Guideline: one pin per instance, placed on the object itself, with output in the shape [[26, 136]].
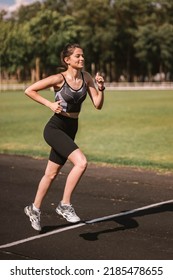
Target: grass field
[[133, 128]]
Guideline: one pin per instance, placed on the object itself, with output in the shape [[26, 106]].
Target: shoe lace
[[70, 210], [36, 216]]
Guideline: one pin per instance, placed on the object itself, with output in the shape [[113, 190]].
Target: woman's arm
[[32, 92], [96, 95]]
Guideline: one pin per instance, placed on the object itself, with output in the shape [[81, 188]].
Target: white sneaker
[[34, 217], [68, 212]]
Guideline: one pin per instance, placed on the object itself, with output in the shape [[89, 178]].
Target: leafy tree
[[97, 32], [153, 41], [39, 29], [25, 13], [12, 48], [129, 37], [66, 31]]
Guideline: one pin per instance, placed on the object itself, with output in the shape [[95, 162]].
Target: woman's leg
[[80, 163], [32, 211], [51, 172]]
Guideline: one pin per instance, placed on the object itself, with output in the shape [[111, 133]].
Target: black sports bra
[[71, 99]]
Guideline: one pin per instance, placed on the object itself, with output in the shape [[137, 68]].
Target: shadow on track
[[127, 221]]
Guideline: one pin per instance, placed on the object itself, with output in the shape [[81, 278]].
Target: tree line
[[128, 40]]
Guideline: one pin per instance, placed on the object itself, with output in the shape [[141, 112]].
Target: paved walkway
[[126, 214]]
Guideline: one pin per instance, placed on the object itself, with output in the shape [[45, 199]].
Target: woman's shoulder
[[56, 79], [87, 75], [88, 78]]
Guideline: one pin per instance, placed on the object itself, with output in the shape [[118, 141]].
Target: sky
[[12, 5]]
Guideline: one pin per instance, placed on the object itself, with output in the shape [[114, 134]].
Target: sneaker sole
[[61, 214], [27, 214]]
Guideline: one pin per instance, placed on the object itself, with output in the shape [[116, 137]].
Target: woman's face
[[76, 59]]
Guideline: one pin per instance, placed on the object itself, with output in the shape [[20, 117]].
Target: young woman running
[[70, 87]]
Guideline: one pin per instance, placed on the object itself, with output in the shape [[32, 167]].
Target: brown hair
[[67, 51]]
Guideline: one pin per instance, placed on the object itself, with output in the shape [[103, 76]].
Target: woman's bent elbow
[[26, 91], [98, 107]]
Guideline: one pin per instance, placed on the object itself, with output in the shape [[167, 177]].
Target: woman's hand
[[56, 107], [99, 81]]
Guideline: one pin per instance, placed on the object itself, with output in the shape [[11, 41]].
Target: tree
[[65, 31], [39, 29], [12, 49], [97, 33], [129, 37], [154, 39]]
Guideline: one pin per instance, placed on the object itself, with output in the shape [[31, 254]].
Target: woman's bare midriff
[[73, 115]]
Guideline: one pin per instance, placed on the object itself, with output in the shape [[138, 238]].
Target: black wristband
[[102, 89]]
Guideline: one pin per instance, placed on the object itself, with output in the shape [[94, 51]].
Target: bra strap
[[63, 77]]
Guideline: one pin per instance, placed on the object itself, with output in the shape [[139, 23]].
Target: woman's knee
[[78, 159], [52, 170], [82, 162], [51, 175]]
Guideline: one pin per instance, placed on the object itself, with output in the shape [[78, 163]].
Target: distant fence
[[140, 86], [109, 86], [4, 87]]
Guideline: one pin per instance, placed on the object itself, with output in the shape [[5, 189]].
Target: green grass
[[132, 129]]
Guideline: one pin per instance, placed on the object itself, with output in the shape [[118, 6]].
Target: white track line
[[41, 235], [128, 212], [85, 223]]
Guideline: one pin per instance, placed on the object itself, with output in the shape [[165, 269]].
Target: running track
[[126, 214]]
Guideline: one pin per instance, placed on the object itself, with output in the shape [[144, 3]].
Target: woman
[[71, 87]]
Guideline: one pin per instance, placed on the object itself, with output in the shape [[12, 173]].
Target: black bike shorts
[[60, 133]]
